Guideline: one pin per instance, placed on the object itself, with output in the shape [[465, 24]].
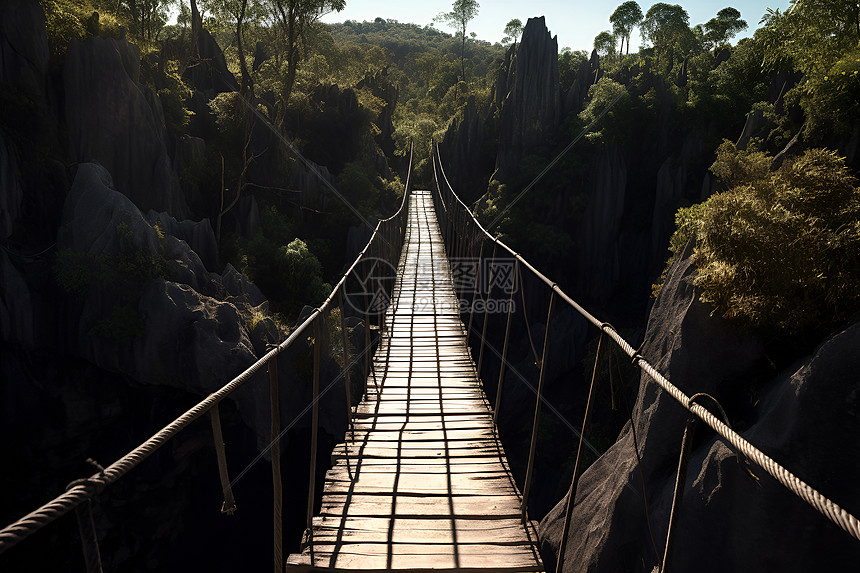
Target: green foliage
[[780, 251], [604, 43], [607, 94], [818, 38], [173, 93], [73, 19], [121, 277], [666, 25], [720, 29], [734, 167], [512, 31], [832, 104]]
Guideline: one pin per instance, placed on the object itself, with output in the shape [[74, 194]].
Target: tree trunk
[[196, 25], [247, 86]]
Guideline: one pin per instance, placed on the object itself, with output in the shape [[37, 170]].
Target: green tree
[[820, 39], [723, 27], [665, 25], [238, 13], [778, 250], [623, 21], [294, 19], [462, 12], [604, 43], [512, 31]]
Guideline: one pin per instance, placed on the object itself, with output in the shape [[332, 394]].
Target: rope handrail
[[88, 488], [810, 495]]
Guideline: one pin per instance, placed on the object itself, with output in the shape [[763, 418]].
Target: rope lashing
[[504, 359]]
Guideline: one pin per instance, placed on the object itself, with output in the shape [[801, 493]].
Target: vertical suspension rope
[[229, 505], [571, 494], [533, 445], [680, 481], [367, 328], [505, 345], [490, 280], [89, 539], [475, 292], [315, 417], [277, 486], [346, 383]]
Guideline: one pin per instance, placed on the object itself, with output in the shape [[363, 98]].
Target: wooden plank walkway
[[423, 483]]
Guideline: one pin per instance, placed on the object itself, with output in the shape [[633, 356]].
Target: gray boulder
[[119, 123]]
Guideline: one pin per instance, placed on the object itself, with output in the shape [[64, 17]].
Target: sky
[[574, 22]]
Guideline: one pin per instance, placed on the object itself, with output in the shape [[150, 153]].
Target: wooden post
[[229, 505], [277, 486], [314, 430]]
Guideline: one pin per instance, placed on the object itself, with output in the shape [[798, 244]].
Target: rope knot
[[93, 484]]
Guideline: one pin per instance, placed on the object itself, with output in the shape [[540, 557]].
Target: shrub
[[780, 251]]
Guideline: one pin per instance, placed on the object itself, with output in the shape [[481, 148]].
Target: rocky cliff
[[733, 516], [531, 108], [118, 122]]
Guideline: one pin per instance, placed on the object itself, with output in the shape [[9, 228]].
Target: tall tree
[[238, 12], [294, 17], [723, 27], [462, 12], [604, 43], [665, 25], [512, 31], [624, 19]]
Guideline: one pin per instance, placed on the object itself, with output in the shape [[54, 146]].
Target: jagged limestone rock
[[463, 154], [531, 109], [734, 516], [119, 123]]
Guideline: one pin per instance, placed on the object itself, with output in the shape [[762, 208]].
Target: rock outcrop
[[196, 325], [464, 155], [11, 194], [734, 516], [118, 122], [381, 86], [531, 110], [599, 258], [24, 48]]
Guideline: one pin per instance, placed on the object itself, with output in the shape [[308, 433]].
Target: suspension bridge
[[421, 481]]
